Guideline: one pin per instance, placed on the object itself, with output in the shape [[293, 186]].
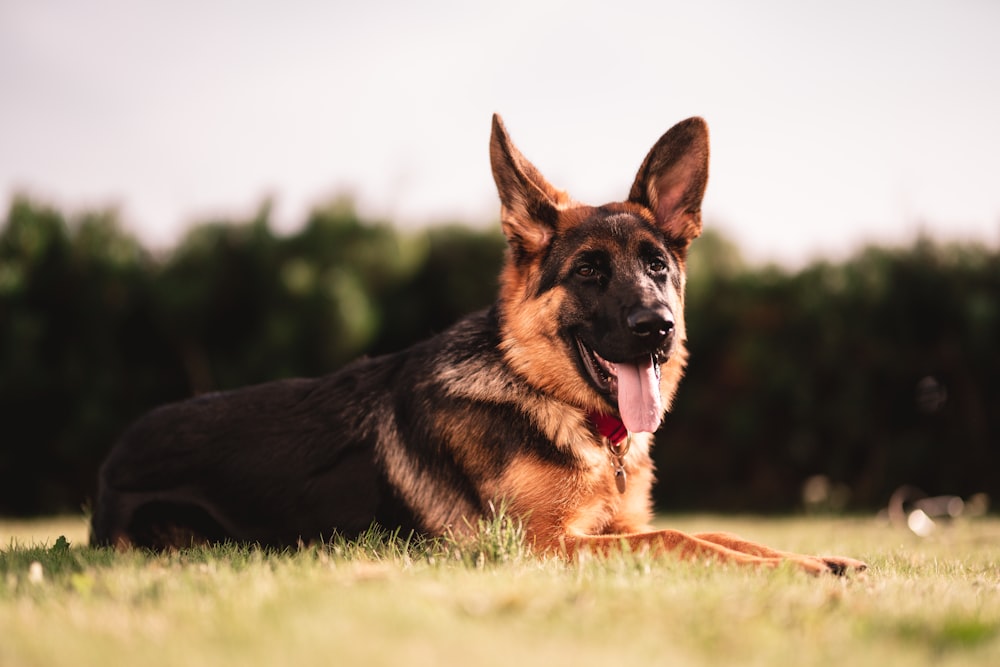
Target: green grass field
[[933, 601]]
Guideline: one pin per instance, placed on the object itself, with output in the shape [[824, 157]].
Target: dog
[[547, 401]]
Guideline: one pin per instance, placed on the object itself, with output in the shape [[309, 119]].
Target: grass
[[385, 601]]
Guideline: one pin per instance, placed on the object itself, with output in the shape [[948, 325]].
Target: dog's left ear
[[529, 205], [672, 179]]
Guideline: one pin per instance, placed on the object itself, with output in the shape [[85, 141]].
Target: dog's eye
[[586, 270], [657, 266]]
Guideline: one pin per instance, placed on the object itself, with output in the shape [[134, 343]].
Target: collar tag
[[618, 440]]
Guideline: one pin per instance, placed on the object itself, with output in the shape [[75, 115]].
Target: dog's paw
[[820, 565], [840, 566]]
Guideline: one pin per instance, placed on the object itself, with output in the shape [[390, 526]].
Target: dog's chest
[[554, 500]]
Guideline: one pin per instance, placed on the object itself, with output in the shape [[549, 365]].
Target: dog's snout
[[650, 323]]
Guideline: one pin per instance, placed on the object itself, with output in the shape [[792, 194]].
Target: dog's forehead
[[613, 229], [618, 232]]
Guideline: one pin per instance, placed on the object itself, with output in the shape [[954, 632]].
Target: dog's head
[[592, 297]]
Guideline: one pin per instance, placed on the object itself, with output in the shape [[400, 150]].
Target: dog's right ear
[[529, 205]]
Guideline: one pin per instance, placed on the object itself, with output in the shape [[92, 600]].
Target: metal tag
[[620, 478]]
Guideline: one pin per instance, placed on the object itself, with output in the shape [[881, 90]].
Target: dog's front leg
[[694, 547], [836, 564]]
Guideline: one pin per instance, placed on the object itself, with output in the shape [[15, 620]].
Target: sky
[[832, 125]]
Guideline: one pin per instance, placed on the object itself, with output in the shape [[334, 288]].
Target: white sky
[[832, 123]]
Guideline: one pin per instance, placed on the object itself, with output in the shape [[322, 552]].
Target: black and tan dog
[[546, 402]]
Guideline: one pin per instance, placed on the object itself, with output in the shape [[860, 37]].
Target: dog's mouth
[[634, 386]]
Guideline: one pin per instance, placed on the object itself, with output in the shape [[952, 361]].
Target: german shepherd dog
[[547, 401]]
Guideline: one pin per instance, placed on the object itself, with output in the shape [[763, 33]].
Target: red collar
[[608, 426]]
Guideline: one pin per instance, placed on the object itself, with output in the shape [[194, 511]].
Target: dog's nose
[[651, 323]]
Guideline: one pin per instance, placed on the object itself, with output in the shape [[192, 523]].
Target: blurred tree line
[[874, 372]]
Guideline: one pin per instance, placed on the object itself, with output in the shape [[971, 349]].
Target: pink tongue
[[639, 396]]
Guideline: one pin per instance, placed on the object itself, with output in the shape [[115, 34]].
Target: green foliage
[[876, 371], [75, 340]]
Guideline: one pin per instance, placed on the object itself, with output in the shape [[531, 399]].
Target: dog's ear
[[529, 205], [672, 179]]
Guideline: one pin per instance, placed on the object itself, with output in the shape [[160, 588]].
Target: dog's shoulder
[[470, 364]]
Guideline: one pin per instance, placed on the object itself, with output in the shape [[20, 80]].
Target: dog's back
[[259, 464], [301, 459]]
